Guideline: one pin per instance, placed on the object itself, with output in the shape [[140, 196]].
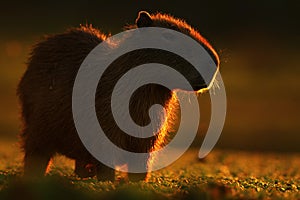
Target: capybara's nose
[[199, 86]]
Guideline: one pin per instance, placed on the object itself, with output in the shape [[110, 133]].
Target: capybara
[[45, 93]]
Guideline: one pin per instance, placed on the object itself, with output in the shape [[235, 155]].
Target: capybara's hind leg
[[35, 163], [105, 173], [37, 156], [84, 169]]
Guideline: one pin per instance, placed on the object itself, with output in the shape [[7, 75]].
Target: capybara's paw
[[135, 177], [105, 173]]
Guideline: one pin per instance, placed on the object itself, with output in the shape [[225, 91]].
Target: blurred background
[[258, 42]]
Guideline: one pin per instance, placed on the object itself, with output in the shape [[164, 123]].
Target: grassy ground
[[222, 175]]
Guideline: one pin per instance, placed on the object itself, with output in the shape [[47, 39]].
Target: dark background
[[258, 42]]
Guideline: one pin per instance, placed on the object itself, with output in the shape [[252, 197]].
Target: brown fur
[[45, 93]]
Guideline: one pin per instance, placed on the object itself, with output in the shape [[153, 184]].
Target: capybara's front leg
[[140, 163], [134, 177], [105, 173]]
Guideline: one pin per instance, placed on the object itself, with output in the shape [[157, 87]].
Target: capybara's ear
[[144, 19]]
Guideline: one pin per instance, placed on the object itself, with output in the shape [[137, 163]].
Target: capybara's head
[[144, 19]]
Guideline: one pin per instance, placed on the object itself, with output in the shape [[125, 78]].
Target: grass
[[222, 175]]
